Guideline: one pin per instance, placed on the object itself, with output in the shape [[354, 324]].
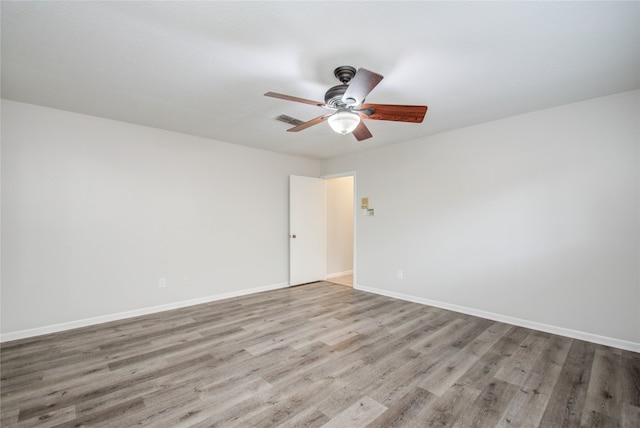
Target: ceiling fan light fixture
[[344, 122], [347, 104]]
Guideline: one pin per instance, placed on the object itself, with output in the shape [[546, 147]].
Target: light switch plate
[[364, 203]]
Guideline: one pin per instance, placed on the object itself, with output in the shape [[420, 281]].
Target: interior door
[[307, 235]]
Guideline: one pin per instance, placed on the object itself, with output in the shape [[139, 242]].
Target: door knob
[[292, 236]]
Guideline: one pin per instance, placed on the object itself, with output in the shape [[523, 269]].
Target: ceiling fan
[[347, 102]]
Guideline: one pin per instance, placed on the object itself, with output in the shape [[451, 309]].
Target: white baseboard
[[603, 340], [22, 334], [337, 274], [561, 331]]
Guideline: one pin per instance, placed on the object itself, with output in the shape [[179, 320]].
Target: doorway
[[340, 228], [322, 229]]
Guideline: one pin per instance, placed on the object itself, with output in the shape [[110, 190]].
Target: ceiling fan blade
[[396, 113], [296, 99], [310, 123], [362, 83], [362, 132]]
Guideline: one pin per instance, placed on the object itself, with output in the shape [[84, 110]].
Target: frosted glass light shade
[[344, 122]]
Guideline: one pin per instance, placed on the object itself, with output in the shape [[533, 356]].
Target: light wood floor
[[342, 280], [315, 355]]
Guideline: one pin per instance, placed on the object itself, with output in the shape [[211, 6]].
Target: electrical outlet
[[400, 274], [185, 281], [162, 282]]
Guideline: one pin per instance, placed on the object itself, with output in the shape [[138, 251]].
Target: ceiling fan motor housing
[[333, 97]]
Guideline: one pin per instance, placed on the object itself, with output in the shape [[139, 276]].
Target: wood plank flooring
[[342, 280], [310, 356]]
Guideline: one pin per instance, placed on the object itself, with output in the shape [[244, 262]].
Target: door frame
[[356, 210]]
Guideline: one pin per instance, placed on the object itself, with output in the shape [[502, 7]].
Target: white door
[[307, 236]]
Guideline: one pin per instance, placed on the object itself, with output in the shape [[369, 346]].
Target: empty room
[[320, 214]]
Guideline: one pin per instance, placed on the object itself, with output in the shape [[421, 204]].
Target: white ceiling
[[202, 68]]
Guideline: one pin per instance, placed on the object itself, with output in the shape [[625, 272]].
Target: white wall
[[339, 217], [534, 217], [94, 211]]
